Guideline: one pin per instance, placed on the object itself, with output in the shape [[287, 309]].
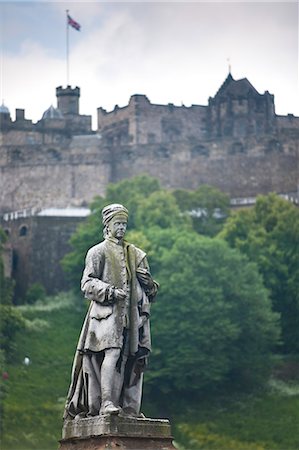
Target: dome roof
[[4, 109], [52, 113]]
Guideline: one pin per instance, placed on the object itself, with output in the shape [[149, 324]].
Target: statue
[[115, 339]]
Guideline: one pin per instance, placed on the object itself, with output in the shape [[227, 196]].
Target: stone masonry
[[236, 143]]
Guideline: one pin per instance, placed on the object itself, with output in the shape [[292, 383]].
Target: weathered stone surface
[[119, 443], [236, 143], [115, 425], [112, 432]]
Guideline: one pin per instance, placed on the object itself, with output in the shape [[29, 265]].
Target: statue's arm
[[146, 280], [91, 284]]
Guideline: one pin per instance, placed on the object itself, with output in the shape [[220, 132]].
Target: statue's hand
[[144, 277], [119, 294]]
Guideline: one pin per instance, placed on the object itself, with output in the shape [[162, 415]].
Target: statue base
[[115, 432]]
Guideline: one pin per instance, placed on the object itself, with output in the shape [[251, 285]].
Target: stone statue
[[115, 339]]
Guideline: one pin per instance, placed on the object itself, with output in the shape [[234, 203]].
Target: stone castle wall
[[73, 171], [236, 143], [53, 173], [39, 244], [142, 122], [240, 168]]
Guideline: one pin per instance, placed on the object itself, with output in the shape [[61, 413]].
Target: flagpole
[[1, 53], [67, 49]]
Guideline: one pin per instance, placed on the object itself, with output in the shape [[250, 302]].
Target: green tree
[[212, 320], [11, 320], [35, 292], [208, 207], [131, 193], [268, 234], [161, 210], [6, 284]]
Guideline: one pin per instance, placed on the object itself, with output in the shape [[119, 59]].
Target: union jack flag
[[73, 23]]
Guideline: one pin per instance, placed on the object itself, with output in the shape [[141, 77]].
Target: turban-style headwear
[[113, 210]]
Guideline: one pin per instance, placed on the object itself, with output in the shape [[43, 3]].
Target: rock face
[[236, 143], [111, 432]]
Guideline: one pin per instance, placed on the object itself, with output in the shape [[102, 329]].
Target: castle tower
[[5, 119], [68, 100], [238, 110]]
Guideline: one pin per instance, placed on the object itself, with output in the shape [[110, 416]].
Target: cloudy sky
[[173, 52]]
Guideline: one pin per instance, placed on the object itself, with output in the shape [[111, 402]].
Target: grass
[[35, 395], [267, 420]]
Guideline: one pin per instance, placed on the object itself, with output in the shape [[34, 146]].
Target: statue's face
[[118, 226]]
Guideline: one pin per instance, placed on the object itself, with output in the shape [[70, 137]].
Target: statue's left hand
[[119, 294], [144, 277]]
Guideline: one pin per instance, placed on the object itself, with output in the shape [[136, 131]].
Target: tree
[[208, 207], [131, 193], [6, 284], [269, 235], [161, 210], [11, 320], [212, 320]]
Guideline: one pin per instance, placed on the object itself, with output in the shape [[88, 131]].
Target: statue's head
[[115, 219]]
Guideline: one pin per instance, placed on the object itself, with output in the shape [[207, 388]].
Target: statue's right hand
[[119, 294]]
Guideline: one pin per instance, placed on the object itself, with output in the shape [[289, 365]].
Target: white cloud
[[170, 52]]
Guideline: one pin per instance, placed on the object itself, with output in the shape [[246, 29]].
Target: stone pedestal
[[115, 432]]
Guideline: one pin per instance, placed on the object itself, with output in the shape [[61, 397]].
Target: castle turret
[[68, 100], [5, 119], [238, 110]]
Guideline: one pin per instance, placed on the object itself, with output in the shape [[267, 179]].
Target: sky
[[173, 52]]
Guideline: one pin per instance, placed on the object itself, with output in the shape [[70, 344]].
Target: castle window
[[15, 260], [54, 154], [162, 152], [16, 155], [23, 230], [199, 150], [237, 147], [151, 138], [273, 146]]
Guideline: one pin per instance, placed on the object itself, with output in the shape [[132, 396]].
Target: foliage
[[269, 235], [160, 209], [208, 207], [36, 291], [131, 193], [6, 284], [200, 437], [36, 393], [33, 407], [266, 420], [11, 323], [214, 315], [212, 320]]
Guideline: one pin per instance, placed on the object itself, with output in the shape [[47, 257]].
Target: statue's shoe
[[131, 413], [108, 408]]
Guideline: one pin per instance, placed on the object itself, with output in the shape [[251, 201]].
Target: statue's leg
[[119, 381], [92, 382], [108, 371], [133, 393]]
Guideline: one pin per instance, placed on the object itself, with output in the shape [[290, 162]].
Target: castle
[[237, 143]]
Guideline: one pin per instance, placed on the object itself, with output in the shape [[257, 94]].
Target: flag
[[73, 23]]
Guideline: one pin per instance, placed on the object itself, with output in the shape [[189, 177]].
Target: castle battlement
[[236, 142]]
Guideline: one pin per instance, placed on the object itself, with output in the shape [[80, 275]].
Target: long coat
[[111, 265]]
